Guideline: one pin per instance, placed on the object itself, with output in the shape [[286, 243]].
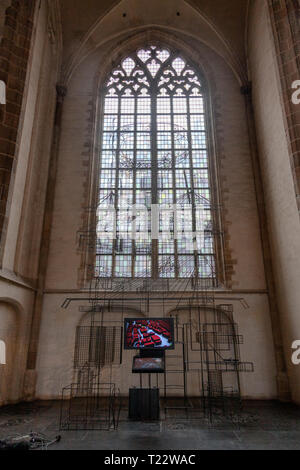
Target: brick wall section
[[285, 18], [14, 56], [4, 4]]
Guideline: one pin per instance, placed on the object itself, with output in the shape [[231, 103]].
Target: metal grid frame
[[98, 346], [94, 407], [209, 345]]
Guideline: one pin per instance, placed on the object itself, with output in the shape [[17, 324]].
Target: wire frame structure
[[97, 346], [91, 405], [207, 347], [155, 152]]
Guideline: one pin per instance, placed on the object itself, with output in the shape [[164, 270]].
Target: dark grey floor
[[263, 425]]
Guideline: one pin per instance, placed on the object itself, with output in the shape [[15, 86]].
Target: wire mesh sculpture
[[154, 151], [91, 403]]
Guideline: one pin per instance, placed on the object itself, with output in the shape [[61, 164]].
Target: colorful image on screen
[[153, 333]]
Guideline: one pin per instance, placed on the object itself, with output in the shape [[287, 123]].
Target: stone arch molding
[[184, 310], [111, 27], [117, 52], [112, 57]]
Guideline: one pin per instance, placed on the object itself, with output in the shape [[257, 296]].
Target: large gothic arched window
[[154, 214]]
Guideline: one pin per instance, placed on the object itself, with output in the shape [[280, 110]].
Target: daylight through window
[[154, 215]]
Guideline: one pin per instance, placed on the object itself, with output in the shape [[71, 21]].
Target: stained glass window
[[154, 166]]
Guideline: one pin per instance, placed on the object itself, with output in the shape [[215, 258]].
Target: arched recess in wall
[[211, 342], [10, 336], [203, 69], [207, 313]]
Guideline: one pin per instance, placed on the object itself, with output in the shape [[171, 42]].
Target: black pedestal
[[143, 404]]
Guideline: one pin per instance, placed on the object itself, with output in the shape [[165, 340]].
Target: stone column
[[30, 376], [283, 389], [14, 56]]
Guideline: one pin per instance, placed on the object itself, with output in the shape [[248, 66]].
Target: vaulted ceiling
[[78, 17], [228, 18]]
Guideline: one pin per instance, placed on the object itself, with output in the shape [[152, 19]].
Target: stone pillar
[[14, 56], [285, 19], [30, 376], [283, 389]]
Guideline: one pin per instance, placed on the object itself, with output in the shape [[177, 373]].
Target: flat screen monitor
[[148, 365], [149, 333]]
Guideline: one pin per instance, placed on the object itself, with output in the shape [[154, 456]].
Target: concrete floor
[[264, 425]]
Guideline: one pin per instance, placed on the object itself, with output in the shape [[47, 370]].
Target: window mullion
[[154, 173], [192, 191], [133, 228], [174, 186], [117, 186]]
